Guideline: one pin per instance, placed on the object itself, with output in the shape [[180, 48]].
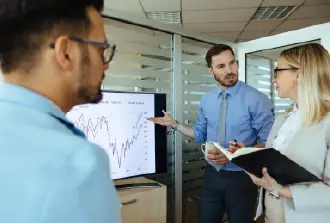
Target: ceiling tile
[[228, 15], [242, 40], [317, 2], [119, 27], [262, 25], [160, 5], [311, 12], [216, 4], [290, 25], [267, 3], [253, 34], [120, 5], [175, 25], [227, 36], [215, 27]]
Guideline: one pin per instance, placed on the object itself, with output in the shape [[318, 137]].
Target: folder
[[280, 167]]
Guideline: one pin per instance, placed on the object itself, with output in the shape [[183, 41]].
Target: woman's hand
[[268, 183]]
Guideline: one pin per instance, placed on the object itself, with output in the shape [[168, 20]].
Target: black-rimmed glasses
[[277, 70], [108, 49]]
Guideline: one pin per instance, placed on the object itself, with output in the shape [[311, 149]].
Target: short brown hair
[[216, 50]]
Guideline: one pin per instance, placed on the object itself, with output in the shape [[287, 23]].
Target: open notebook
[[279, 166]]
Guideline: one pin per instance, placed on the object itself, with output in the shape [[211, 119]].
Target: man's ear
[[63, 52], [210, 70]]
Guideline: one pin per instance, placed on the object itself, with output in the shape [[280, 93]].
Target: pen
[[235, 142]]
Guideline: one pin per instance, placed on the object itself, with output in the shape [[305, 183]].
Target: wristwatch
[[275, 192], [175, 125]]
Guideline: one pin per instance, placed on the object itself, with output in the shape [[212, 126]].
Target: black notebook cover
[[280, 167]]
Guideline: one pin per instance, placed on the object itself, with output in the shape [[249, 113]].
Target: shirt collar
[[20, 95], [232, 91]]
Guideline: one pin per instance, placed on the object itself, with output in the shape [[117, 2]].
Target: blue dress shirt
[[250, 117], [49, 172]]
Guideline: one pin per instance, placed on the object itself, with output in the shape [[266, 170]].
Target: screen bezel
[[160, 133]]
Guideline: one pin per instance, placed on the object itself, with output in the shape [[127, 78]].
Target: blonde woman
[[303, 135]]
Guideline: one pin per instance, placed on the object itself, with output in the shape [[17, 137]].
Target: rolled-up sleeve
[[262, 117], [200, 128]]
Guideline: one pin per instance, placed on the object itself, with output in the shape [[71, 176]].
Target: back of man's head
[[26, 25]]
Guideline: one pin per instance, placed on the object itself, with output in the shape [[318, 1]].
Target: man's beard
[[90, 95], [223, 81], [85, 93]]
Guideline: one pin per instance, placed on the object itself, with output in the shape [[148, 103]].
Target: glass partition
[[196, 82], [259, 73], [143, 63]]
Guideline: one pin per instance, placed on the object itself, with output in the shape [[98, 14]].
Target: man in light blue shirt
[[248, 118], [53, 55]]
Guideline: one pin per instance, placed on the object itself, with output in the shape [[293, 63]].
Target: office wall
[[321, 32]]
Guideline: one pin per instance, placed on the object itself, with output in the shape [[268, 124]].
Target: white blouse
[[287, 130], [274, 212]]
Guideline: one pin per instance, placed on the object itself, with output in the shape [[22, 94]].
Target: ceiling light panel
[[273, 12], [165, 17]]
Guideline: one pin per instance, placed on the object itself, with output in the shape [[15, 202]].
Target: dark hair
[[26, 25], [216, 50]]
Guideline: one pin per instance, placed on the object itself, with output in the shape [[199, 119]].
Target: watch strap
[[175, 127], [275, 193]]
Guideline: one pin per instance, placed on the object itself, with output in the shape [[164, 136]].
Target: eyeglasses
[[108, 49], [277, 70]]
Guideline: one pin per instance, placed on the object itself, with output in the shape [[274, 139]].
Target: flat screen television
[[135, 146]]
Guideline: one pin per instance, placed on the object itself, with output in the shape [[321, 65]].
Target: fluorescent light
[[263, 68], [165, 17], [264, 83], [282, 104], [264, 90], [273, 12], [188, 62]]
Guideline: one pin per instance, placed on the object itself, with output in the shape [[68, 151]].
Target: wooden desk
[[142, 205]]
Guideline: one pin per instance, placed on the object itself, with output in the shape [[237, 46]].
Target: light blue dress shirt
[[250, 117], [49, 172]]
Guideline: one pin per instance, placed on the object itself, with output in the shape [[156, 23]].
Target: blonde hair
[[313, 62]]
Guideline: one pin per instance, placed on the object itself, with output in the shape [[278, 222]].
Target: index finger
[[232, 149], [155, 120], [213, 151]]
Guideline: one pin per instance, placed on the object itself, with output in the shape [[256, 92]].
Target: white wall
[[302, 35]]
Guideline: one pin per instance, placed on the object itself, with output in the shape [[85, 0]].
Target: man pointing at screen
[[233, 110]]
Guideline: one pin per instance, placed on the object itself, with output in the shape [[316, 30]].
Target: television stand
[[142, 200], [137, 185]]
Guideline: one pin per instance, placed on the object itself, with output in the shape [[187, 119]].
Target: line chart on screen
[[120, 127]]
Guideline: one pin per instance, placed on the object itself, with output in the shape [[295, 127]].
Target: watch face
[[272, 195]]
